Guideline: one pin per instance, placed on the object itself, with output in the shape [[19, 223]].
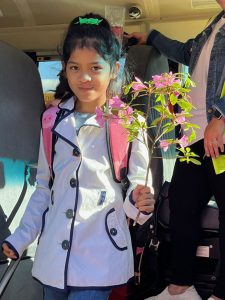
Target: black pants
[[191, 188]]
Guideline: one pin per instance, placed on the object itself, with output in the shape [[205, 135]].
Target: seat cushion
[[209, 217]]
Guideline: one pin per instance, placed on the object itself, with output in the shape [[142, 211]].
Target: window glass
[[49, 71]]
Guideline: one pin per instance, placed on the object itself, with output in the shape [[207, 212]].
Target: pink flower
[[99, 116], [183, 141], [180, 118], [126, 114], [165, 80], [158, 81], [164, 145], [118, 112], [138, 85], [116, 102]]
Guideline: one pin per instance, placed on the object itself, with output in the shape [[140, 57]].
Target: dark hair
[[98, 37]]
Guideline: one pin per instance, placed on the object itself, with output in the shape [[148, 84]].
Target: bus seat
[[21, 105], [146, 61], [209, 216]]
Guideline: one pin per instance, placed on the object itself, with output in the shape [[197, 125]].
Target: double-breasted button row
[[113, 231], [69, 213], [73, 182], [76, 152], [65, 245]]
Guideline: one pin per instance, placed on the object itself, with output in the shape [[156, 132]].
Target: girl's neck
[[86, 107]]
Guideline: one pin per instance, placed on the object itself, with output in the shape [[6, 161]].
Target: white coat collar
[[68, 105], [65, 128]]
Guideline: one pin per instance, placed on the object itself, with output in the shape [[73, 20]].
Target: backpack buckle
[[154, 244], [125, 184], [124, 179]]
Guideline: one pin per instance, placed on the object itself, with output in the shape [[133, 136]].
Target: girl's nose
[[85, 77]]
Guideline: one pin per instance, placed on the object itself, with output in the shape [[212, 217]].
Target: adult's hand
[[141, 37], [213, 137]]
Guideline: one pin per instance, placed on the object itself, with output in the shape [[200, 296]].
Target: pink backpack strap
[[117, 142], [118, 148], [48, 121]]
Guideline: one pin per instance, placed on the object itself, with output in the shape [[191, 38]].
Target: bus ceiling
[[39, 25]]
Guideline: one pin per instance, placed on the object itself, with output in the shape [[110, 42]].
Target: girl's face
[[88, 76]]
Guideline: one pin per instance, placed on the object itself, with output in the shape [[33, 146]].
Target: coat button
[[76, 152], [69, 213], [73, 182], [113, 231], [65, 245], [210, 110]]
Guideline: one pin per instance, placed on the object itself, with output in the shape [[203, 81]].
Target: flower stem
[[150, 154]]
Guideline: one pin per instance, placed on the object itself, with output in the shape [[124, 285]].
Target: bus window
[[49, 71]]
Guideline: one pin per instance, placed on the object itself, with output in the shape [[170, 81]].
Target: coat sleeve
[[31, 222], [172, 49], [220, 105], [138, 164]]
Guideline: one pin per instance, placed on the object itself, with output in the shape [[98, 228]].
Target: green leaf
[[158, 108], [173, 99], [195, 161], [156, 121], [194, 125], [183, 159], [192, 136], [127, 88]]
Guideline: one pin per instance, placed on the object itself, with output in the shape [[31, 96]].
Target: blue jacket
[[187, 53]]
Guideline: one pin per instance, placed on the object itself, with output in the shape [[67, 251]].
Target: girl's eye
[[74, 68], [96, 68]]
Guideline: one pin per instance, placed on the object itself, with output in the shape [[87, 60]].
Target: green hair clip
[[91, 21]]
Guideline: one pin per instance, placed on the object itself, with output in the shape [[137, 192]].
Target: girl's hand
[[8, 252], [213, 137], [143, 198]]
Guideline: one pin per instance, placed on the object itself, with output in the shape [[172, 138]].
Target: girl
[[84, 247]]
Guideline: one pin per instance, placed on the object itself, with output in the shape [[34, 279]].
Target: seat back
[[209, 216], [21, 105], [146, 61]]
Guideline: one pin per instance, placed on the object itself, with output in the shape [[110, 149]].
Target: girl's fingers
[[145, 190], [145, 202], [146, 208], [8, 252], [146, 205], [145, 197]]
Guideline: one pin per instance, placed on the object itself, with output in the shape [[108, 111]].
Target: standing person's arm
[[213, 137], [172, 49], [215, 130]]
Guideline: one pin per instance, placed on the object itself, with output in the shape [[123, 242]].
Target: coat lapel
[[65, 128]]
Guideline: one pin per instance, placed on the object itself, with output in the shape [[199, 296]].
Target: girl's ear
[[116, 70]]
